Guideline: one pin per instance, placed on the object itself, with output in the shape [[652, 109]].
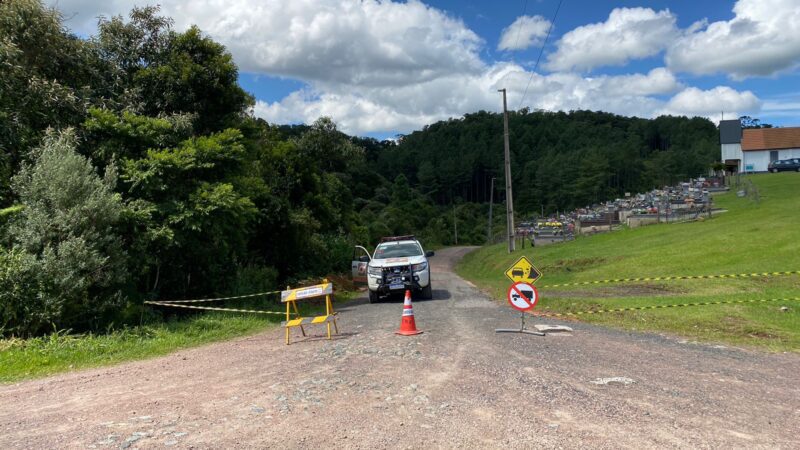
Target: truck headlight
[[375, 271], [419, 267]]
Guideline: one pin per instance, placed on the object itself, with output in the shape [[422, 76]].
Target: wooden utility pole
[[491, 200], [455, 223], [509, 196]]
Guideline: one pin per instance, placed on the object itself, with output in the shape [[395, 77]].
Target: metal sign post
[[521, 328], [522, 297]]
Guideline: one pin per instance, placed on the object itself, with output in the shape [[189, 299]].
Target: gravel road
[[456, 385]]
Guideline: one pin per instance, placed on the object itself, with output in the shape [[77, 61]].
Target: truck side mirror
[[429, 254], [363, 258]]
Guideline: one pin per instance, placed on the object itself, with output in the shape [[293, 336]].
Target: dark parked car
[[784, 164]]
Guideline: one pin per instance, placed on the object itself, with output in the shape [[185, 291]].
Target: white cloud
[[361, 43], [762, 39], [410, 107], [783, 108], [711, 103], [394, 67], [367, 42], [402, 108], [525, 32], [629, 33]]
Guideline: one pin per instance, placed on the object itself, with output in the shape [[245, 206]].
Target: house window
[[773, 155]]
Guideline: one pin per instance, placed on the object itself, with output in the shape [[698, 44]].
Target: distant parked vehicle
[[783, 165]]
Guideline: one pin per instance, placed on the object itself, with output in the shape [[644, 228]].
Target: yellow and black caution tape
[[211, 308], [640, 308], [673, 278], [219, 299]]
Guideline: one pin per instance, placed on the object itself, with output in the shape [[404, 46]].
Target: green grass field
[[750, 237], [59, 352]]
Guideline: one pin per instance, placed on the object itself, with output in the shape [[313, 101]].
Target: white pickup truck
[[399, 263]]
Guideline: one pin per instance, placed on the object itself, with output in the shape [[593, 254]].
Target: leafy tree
[[67, 251], [752, 122], [156, 71], [189, 212], [46, 76]]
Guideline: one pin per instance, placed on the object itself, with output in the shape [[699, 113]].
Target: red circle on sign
[[522, 296]]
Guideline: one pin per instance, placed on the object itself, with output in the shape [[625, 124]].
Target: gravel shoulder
[[456, 385]]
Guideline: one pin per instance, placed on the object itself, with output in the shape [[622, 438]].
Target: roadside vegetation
[[63, 350], [750, 237]]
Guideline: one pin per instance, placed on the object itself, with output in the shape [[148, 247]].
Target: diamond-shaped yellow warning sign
[[523, 270]]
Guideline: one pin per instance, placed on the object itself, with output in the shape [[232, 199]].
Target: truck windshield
[[397, 250]]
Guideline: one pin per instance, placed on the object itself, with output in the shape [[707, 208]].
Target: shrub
[[67, 255], [22, 307]]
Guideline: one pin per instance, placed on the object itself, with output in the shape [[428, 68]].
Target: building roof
[[754, 139]]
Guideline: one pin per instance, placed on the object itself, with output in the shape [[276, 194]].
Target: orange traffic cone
[[408, 327]]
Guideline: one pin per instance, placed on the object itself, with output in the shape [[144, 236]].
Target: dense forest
[[132, 168]]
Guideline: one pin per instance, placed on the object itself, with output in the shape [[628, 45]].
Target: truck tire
[[373, 297], [427, 292]]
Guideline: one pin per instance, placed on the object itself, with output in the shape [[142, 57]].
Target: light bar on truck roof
[[410, 237]]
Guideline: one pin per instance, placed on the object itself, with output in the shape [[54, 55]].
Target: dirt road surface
[[456, 385]]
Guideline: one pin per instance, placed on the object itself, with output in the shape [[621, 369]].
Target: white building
[[752, 149]]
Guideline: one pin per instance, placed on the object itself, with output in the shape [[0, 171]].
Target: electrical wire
[[541, 51], [519, 28]]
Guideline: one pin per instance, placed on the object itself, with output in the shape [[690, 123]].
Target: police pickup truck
[[399, 263]]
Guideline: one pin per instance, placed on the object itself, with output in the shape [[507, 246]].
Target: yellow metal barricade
[[292, 296]]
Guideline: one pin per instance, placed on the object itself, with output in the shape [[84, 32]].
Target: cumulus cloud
[[525, 32], [364, 43], [361, 42], [377, 66], [762, 39], [409, 107], [710, 103], [629, 33], [402, 108]]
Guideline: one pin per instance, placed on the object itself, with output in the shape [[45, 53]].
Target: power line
[[519, 28], [541, 51]]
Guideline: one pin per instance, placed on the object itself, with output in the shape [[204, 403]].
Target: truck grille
[[397, 274]]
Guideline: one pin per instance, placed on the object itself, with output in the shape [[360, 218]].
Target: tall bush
[[67, 258]]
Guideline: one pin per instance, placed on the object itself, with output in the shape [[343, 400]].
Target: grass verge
[[22, 359], [750, 237]]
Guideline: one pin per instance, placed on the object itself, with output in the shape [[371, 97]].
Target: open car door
[[361, 259]]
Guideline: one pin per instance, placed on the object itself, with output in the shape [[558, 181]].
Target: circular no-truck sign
[[522, 296]]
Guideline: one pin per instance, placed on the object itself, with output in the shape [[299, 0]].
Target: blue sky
[[380, 68]]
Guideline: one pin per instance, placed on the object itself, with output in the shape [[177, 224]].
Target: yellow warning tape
[[210, 308], [219, 299], [680, 277], [639, 308]]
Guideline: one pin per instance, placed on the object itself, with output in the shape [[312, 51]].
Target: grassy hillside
[[750, 237]]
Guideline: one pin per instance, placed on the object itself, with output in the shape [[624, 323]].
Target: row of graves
[[686, 201]]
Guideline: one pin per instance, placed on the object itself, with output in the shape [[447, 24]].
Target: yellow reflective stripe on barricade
[[308, 320], [211, 308], [671, 278], [640, 308]]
